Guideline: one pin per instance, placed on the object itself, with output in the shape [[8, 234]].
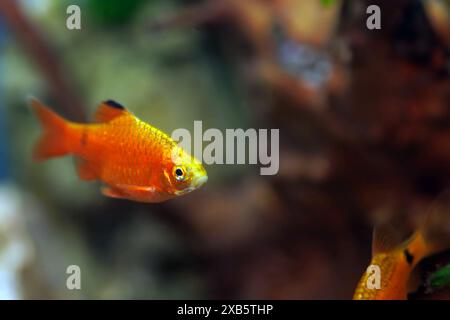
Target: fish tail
[[54, 141], [434, 235]]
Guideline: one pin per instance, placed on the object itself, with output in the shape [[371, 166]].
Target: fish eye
[[179, 173]]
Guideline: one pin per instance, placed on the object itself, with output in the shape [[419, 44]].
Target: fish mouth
[[197, 182], [200, 180], [184, 191]]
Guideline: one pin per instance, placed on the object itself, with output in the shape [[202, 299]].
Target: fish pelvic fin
[[86, 170], [53, 142]]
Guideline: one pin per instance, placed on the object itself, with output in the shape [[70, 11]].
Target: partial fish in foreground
[[135, 160], [398, 260]]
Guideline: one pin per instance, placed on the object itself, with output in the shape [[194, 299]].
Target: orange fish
[[396, 260], [135, 160]]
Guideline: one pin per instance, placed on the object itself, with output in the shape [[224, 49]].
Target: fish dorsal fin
[[436, 223], [109, 110], [385, 238]]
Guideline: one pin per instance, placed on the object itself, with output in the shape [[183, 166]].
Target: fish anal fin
[[109, 110], [114, 193], [385, 238], [136, 193], [86, 171]]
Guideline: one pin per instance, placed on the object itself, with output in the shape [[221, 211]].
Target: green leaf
[[327, 3], [440, 278]]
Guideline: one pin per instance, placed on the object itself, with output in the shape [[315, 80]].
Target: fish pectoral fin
[[86, 171], [131, 188]]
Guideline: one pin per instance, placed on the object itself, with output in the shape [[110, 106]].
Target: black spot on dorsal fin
[[109, 110], [114, 104], [408, 256]]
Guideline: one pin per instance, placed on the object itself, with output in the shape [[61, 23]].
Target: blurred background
[[364, 119]]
